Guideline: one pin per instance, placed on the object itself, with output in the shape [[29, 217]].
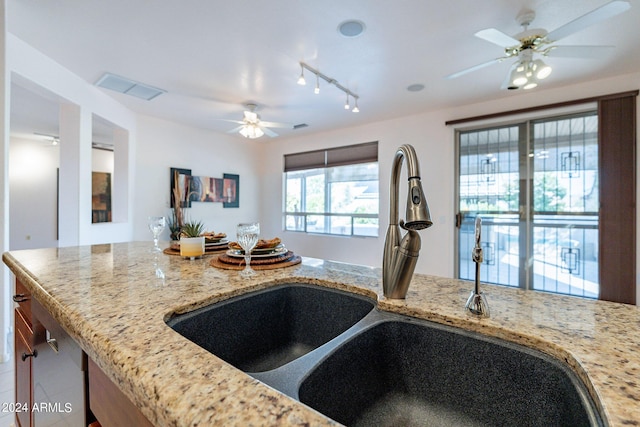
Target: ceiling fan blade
[[276, 125], [577, 51], [474, 68], [234, 130], [268, 132], [231, 121], [597, 15], [497, 37]]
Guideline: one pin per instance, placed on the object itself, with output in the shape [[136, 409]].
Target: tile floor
[[7, 419]]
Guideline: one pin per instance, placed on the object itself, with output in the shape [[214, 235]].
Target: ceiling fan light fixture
[[518, 78], [519, 81], [541, 70], [530, 85], [251, 131]]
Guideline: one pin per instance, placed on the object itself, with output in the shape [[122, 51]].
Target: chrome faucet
[[400, 257], [477, 303]]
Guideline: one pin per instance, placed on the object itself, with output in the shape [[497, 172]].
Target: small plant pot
[[192, 247]]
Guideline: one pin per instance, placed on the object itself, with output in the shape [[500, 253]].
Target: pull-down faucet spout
[[400, 256]]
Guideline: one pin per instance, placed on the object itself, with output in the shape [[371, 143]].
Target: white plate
[[260, 251], [222, 242], [278, 250]]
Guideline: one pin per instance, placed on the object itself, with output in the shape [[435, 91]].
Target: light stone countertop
[[110, 300]]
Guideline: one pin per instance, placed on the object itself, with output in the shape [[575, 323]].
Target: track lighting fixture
[[332, 81], [301, 80]]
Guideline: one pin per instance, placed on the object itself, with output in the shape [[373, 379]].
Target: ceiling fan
[[252, 127], [528, 70]]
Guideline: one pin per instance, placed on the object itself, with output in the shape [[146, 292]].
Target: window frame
[[310, 163], [617, 118]]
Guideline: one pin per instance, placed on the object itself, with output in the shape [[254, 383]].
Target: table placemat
[[169, 251], [215, 262]]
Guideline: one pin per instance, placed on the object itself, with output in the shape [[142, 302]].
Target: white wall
[[434, 144], [79, 103], [101, 160], [33, 194], [163, 145], [33, 191]]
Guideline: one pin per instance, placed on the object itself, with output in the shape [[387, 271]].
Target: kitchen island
[[114, 299]]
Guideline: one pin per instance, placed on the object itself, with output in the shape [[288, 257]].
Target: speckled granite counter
[[113, 301]]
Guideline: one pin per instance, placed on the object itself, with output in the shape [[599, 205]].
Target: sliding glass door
[[535, 186]]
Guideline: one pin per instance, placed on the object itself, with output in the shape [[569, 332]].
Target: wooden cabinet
[[48, 360], [24, 354], [50, 368], [111, 406]]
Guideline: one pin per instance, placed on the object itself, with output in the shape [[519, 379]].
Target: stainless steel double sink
[[337, 353]]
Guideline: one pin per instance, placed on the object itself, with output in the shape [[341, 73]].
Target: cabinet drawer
[[24, 354], [24, 329]]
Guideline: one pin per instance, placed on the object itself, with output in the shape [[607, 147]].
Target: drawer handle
[[53, 343], [20, 298], [25, 356]]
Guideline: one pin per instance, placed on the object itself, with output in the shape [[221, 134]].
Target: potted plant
[[191, 239]]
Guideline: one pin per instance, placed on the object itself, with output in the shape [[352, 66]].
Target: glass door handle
[[458, 220]]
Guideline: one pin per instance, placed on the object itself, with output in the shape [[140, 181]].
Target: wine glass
[[156, 226], [248, 234]]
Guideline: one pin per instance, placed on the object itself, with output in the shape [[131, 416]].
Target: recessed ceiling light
[[417, 87], [351, 28]]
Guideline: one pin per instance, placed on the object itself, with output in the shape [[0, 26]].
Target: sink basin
[[266, 329], [337, 353], [407, 372]]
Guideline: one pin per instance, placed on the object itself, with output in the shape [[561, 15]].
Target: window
[[333, 191], [536, 187]]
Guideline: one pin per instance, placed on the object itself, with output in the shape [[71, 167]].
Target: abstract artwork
[[100, 197], [190, 188]]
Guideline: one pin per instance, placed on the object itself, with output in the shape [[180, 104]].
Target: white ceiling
[[214, 56]]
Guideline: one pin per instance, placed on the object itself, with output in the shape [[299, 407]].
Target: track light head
[[301, 80]]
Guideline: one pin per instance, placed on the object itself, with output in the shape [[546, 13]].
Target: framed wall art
[[189, 188]]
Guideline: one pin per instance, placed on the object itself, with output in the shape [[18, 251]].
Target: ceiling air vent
[[300, 126], [129, 87]]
